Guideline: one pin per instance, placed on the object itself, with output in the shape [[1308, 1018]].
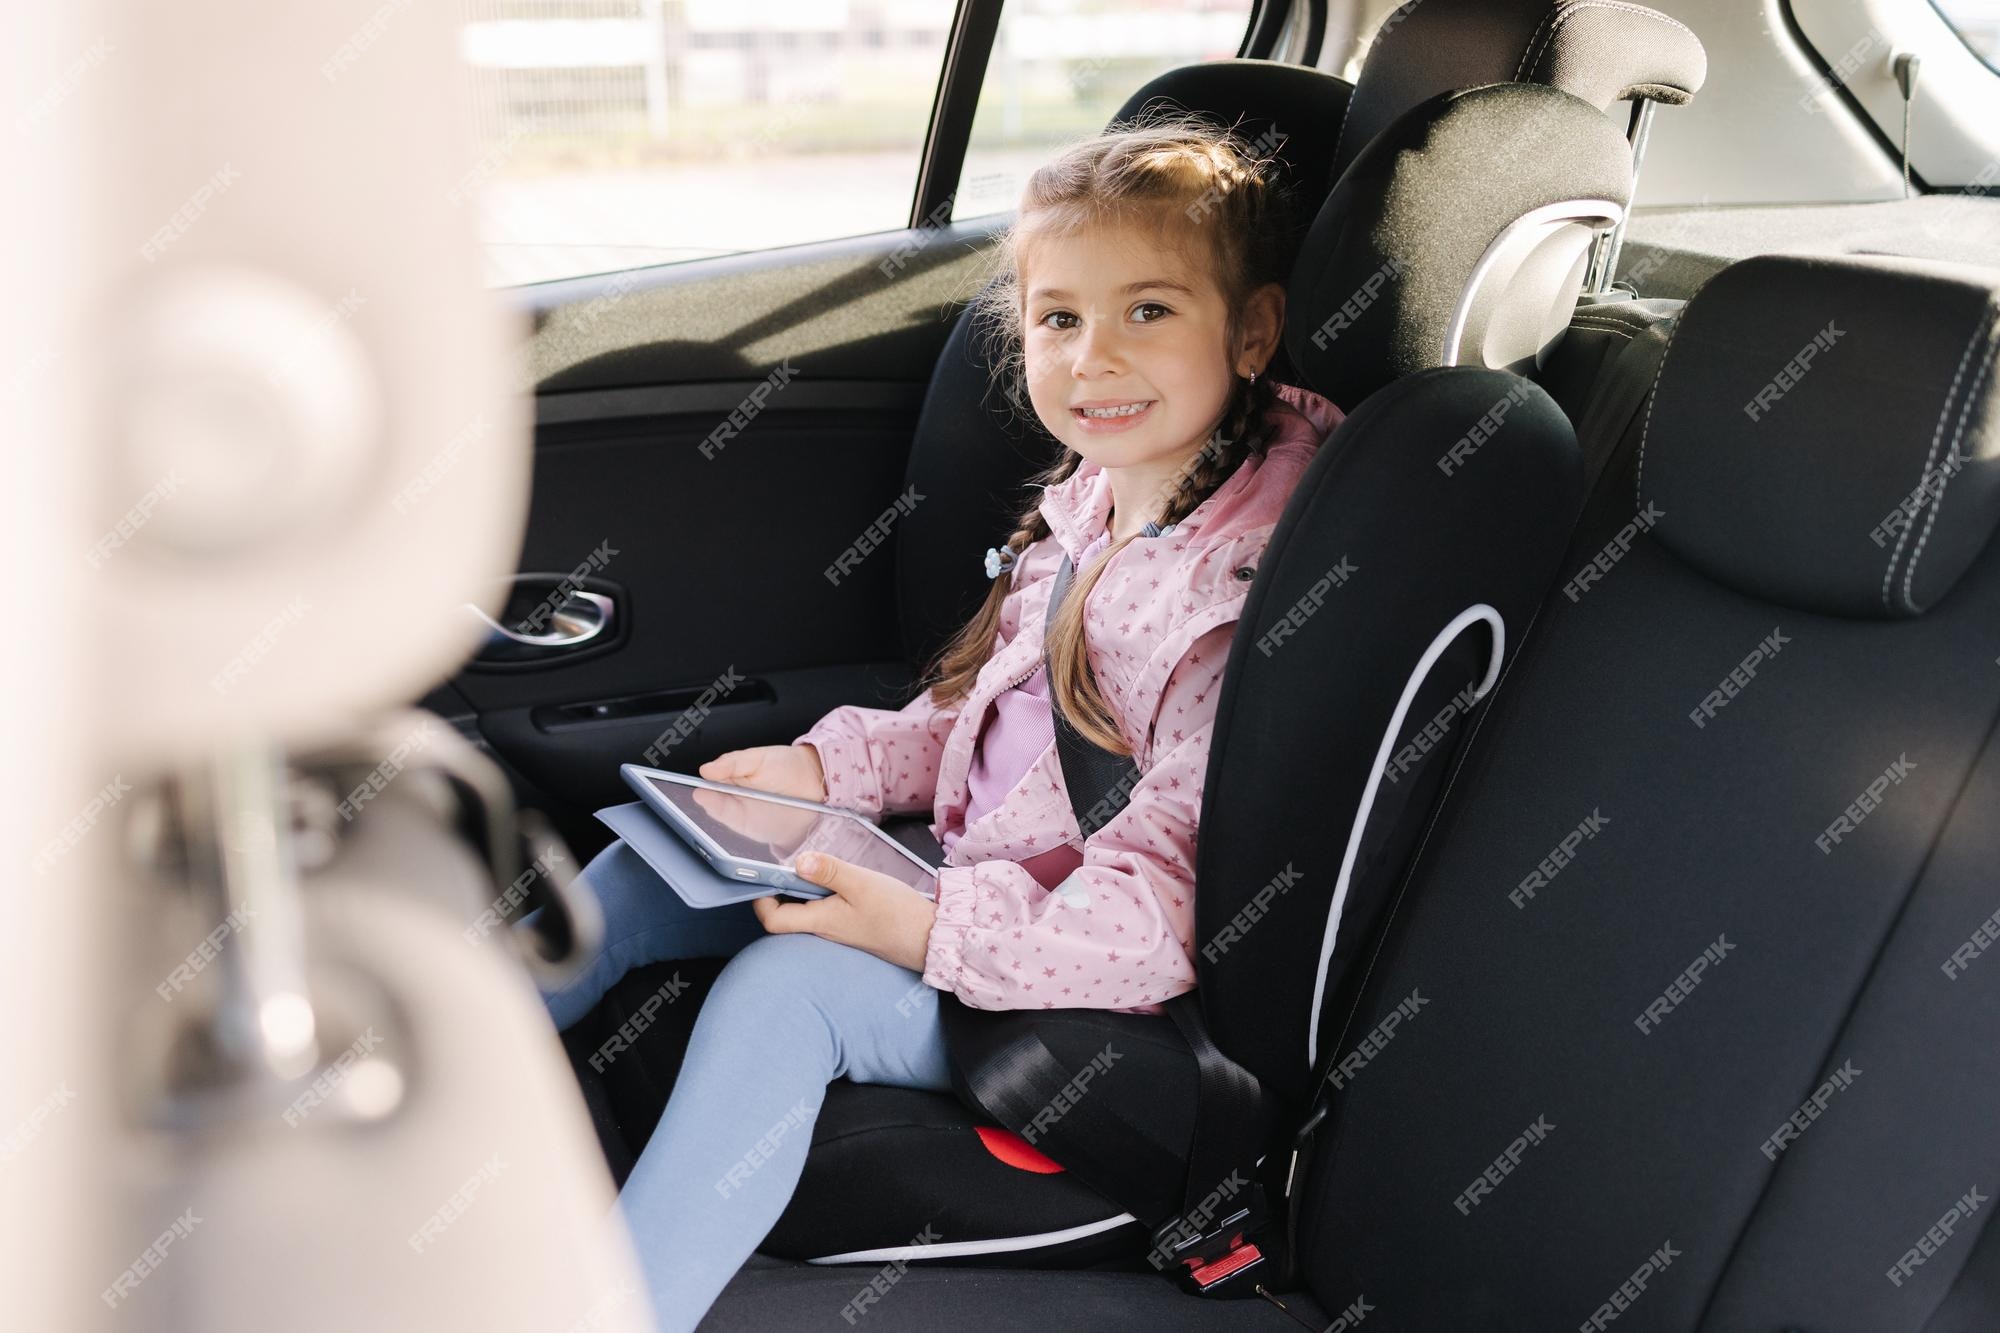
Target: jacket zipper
[[1037, 666], [1017, 680], [1002, 690]]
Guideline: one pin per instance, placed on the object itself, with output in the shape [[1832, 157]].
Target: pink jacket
[[1117, 933]]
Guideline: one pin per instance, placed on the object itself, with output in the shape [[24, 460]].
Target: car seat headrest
[[1825, 432], [1458, 238], [976, 448], [309, 444], [1288, 111], [1599, 50]]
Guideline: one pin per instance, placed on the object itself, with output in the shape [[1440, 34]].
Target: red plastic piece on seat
[[1235, 1261], [1015, 1151]]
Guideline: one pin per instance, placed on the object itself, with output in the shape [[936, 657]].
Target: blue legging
[[788, 1015]]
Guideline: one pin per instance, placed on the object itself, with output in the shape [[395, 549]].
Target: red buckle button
[[1238, 1259]]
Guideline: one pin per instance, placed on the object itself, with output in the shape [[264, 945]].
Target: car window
[[1977, 22], [619, 133], [1061, 68]]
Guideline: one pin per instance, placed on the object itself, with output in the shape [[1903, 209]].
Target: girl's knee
[[778, 965], [821, 972], [772, 989], [870, 1019], [806, 969]]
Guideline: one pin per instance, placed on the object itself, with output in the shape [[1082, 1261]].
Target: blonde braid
[[1234, 440]]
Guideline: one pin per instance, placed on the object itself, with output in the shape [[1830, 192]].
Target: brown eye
[[1151, 305], [1056, 314]]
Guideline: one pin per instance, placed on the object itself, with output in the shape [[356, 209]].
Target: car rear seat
[[1707, 1040]]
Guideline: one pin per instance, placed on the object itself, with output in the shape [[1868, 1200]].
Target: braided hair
[[1170, 168]]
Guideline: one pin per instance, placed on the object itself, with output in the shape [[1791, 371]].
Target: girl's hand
[[786, 770], [867, 909]]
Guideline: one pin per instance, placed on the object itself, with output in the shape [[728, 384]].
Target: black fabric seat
[[1581, 1127], [887, 1297], [1341, 679], [1687, 923]]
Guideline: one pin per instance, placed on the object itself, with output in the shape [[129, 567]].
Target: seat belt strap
[[1628, 378], [1206, 1243], [1099, 782], [1027, 1089], [1230, 1095]]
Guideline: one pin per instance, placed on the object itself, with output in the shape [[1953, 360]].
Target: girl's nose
[[1096, 350]]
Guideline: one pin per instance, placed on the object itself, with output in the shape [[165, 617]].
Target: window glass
[[618, 133], [1062, 68], [1978, 23]]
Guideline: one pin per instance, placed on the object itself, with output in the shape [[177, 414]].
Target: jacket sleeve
[[1118, 932], [882, 760]]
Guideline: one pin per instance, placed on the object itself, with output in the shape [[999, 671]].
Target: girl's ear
[[1263, 327]]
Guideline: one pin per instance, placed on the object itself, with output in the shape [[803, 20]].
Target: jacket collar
[[1078, 507]]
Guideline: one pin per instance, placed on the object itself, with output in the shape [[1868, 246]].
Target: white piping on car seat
[[1445, 638], [951, 1249]]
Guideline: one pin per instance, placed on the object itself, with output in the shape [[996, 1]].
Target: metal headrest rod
[[1604, 253]]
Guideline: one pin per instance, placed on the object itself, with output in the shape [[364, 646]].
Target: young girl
[[1140, 305]]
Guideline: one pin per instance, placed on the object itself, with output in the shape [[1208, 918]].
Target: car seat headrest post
[[1604, 254]]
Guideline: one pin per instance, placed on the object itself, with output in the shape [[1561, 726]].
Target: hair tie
[[999, 559]]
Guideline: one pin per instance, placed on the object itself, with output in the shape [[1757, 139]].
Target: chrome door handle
[[578, 619]]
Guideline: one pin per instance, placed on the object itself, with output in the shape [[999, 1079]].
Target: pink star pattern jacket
[[1117, 932]]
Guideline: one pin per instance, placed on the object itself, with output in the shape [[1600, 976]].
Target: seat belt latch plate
[[1207, 1277], [1209, 1262]]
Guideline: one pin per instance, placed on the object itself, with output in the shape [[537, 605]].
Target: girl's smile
[[1105, 416]]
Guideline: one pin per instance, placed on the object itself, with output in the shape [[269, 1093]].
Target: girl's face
[[1114, 322]]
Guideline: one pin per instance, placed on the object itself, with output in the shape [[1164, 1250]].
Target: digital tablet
[[756, 837]]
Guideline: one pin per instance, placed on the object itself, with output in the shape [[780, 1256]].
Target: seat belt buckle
[[1210, 1249]]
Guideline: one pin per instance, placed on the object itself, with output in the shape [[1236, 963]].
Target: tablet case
[[696, 882]]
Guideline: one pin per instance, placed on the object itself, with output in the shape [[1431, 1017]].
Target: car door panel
[[734, 490]]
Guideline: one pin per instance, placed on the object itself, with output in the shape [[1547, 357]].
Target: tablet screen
[[758, 830]]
